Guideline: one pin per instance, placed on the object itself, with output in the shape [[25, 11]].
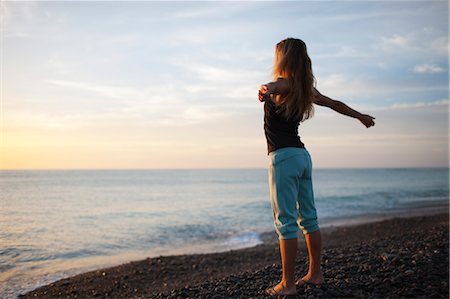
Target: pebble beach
[[405, 257]]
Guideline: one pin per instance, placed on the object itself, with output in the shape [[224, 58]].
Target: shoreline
[[161, 275], [419, 208]]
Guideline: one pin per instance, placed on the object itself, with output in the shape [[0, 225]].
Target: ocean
[[58, 223]]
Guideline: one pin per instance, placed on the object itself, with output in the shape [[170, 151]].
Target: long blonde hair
[[293, 63]]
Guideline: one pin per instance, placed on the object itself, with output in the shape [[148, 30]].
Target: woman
[[288, 100]]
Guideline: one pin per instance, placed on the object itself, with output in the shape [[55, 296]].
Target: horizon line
[[218, 168]]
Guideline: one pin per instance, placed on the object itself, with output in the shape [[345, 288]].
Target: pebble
[[374, 276]]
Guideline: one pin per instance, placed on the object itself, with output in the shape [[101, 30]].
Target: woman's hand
[[263, 93], [367, 120], [279, 87]]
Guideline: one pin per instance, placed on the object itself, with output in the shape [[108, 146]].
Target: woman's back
[[280, 132]]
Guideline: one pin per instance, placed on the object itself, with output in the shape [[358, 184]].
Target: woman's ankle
[[288, 284]]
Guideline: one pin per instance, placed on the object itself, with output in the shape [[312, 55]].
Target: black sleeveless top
[[280, 132]]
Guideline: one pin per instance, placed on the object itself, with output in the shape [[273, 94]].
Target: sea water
[[54, 224]]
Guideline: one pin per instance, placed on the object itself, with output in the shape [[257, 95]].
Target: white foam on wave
[[243, 240]]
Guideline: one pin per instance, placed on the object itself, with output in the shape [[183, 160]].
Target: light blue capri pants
[[291, 192]]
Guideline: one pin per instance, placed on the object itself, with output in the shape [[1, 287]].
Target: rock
[[387, 256]]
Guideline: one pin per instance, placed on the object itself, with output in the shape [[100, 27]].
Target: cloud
[[345, 52], [128, 40], [171, 104], [18, 12], [440, 45], [220, 75], [15, 17], [205, 10], [420, 42], [394, 41], [428, 68], [106, 91], [442, 102], [340, 85], [379, 137], [348, 17], [221, 83]]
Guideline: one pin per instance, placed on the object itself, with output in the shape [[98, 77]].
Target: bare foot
[[281, 290], [316, 280]]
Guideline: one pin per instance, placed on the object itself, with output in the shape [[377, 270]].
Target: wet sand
[[406, 256]]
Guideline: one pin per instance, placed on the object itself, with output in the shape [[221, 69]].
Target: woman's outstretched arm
[[342, 108]]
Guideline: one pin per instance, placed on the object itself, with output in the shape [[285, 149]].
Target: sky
[[120, 85]]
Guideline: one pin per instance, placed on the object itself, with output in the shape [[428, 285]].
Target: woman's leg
[[284, 184], [314, 243], [310, 226], [288, 251]]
